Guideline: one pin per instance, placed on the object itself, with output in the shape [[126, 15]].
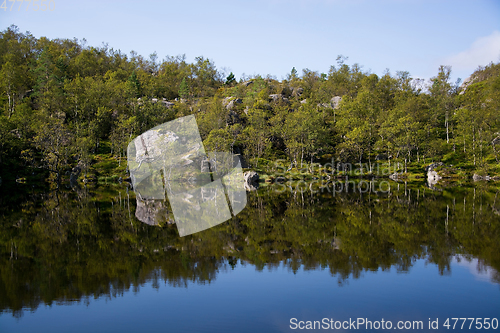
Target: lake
[[372, 256]]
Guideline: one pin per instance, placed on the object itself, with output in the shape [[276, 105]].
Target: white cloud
[[480, 271], [483, 51]]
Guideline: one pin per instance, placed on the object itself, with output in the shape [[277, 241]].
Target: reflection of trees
[[65, 247]]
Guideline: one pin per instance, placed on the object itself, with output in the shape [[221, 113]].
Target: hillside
[[65, 105]]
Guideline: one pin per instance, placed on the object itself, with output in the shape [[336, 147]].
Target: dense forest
[[62, 103]]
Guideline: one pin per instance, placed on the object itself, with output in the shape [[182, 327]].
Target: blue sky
[[271, 37]]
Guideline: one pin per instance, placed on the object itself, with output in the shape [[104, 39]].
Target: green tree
[[230, 80], [184, 89]]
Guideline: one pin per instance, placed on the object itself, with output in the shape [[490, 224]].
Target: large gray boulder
[[153, 142]]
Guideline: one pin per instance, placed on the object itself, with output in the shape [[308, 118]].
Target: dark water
[[81, 261]]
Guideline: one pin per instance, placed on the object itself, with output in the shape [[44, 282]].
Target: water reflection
[[68, 246]]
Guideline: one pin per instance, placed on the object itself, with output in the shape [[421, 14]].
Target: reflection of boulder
[[280, 179], [432, 176], [251, 180], [477, 177], [396, 176], [152, 212]]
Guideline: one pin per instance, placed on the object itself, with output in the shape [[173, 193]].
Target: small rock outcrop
[[232, 118], [467, 82], [167, 104], [433, 166], [278, 98], [297, 92], [74, 174], [335, 102], [230, 102]]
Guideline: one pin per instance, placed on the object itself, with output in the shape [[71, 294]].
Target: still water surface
[[80, 261]]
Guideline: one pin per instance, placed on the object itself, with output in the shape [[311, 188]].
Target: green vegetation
[[64, 104]]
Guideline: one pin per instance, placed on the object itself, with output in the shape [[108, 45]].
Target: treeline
[[60, 99]]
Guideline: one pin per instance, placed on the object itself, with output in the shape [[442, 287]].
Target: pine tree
[[230, 79], [184, 89]]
